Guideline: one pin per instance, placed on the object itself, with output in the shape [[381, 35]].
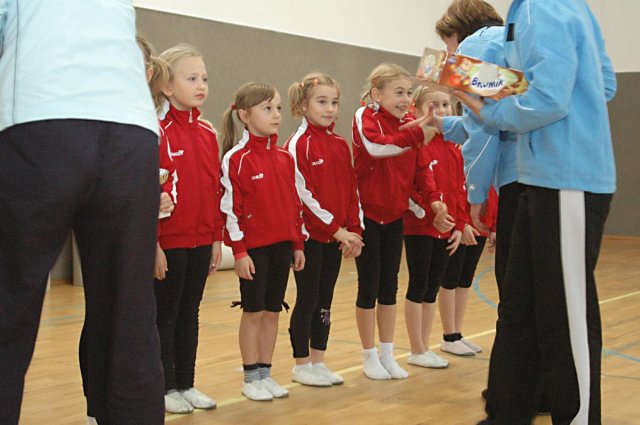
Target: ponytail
[[229, 137], [247, 96], [160, 69], [159, 81]]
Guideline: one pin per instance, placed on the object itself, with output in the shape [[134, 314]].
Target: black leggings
[[178, 299], [379, 263], [267, 289], [461, 266], [311, 317], [426, 260]]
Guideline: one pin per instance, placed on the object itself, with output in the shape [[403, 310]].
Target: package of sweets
[[446, 71]]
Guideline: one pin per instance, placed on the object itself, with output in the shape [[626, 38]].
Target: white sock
[[306, 366], [389, 362], [372, 367]]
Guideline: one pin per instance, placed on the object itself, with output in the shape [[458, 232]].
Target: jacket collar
[[388, 115], [318, 130], [183, 117], [258, 142]]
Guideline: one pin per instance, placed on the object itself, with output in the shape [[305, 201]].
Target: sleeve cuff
[[238, 248], [355, 229], [240, 255], [297, 245]]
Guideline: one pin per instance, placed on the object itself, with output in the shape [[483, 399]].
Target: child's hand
[[442, 221], [166, 204], [216, 257], [492, 242], [160, 269], [425, 122], [469, 235], [244, 268], [476, 211], [298, 260], [350, 252], [454, 242], [350, 243], [473, 103]]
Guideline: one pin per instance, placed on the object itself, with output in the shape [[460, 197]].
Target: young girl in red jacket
[[263, 227], [326, 183], [384, 158], [427, 244], [189, 240], [458, 276]]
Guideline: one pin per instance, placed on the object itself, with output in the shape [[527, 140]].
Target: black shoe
[[484, 422]]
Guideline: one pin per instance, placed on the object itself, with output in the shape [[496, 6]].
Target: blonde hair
[[464, 17], [173, 56], [300, 92], [381, 75], [247, 96], [160, 76], [422, 94]]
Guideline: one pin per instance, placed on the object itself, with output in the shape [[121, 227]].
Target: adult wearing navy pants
[[549, 318], [78, 150]]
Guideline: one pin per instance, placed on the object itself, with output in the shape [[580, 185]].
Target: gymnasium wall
[[347, 42]]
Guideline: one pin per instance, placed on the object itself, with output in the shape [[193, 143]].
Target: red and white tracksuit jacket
[[326, 181], [260, 200], [384, 160], [191, 146], [490, 214], [439, 173], [170, 186]]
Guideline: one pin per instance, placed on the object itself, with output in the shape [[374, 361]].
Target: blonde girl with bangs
[[326, 184], [189, 240], [263, 227], [385, 140]]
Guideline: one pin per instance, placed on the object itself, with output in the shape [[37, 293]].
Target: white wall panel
[[402, 26]]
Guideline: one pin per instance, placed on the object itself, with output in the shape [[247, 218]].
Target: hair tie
[[233, 107]]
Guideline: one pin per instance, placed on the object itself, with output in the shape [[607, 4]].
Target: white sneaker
[[456, 347], [428, 359], [91, 420], [309, 376], [325, 372], [255, 391], [474, 347], [392, 366], [198, 400], [276, 390], [373, 369], [175, 403]]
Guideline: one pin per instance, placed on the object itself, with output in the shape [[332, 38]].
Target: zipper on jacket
[[268, 142], [190, 116]]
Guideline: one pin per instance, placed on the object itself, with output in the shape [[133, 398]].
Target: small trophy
[[164, 176]]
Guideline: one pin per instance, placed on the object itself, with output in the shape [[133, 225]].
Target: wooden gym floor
[[53, 394]]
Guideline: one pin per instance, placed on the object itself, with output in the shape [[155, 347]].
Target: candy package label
[[447, 71]]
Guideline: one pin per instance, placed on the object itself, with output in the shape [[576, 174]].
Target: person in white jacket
[[78, 150]]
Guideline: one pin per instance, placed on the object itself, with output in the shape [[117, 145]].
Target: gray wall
[[624, 112], [236, 54]]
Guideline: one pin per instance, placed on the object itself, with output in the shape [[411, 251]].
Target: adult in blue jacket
[[474, 28], [549, 320], [78, 150]]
